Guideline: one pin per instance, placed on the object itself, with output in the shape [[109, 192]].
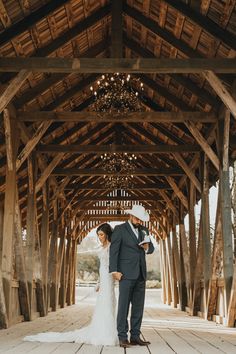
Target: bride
[[102, 329]]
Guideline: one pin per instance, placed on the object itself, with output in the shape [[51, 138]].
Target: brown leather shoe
[[139, 341], [124, 343]]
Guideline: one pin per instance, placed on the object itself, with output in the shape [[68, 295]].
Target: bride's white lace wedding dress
[[102, 329]]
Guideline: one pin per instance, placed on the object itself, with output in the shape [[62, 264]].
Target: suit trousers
[[131, 291]]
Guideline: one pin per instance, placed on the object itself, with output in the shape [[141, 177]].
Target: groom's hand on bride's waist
[[117, 275]]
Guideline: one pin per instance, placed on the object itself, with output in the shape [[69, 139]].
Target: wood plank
[[204, 22], [12, 88], [221, 91], [100, 149], [30, 20], [204, 144], [125, 65], [151, 116]]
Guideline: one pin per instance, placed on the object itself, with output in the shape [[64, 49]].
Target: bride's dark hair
[[107, 229]]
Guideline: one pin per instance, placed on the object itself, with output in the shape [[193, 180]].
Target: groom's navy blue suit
[[129, 259]]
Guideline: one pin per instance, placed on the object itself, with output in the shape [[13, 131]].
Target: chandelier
[[115, 93], [122, 166]]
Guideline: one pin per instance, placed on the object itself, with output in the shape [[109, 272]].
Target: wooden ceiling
[[183, 108]]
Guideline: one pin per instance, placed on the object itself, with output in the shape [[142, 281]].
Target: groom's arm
[[114, 250], [150, 248]]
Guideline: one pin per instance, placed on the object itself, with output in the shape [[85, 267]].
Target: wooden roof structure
[[51, 52]]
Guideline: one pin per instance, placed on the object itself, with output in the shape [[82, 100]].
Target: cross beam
[[157, 117], [100, 172], [111, 65], [101, 149]]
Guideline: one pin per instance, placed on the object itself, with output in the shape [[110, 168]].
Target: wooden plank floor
[[169, 330]]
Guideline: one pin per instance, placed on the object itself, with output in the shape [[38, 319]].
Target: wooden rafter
[[204, 144], [221, 91], [11, 89]]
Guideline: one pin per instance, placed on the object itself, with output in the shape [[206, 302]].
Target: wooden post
[[30, 232], [20, 267], [216, 265], [231, 317], [53, 254], [184, 261], [45, 244], [3, 312], [176, 261], [206, 231], [192, 239], [225, 207], [163, 273], [12, 140], [74, 270]]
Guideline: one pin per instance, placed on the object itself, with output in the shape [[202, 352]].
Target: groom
[[128, 265]]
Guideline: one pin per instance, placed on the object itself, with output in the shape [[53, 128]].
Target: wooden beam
[[69, 35], [204, 22], [132, 117], [221, 91], [204, 144], [188, 171], [113, 217], [116, 29], [55, 161], [100, 149], [110, 199], [178, 192], [111, 65], [100, 172], [102, 187], [44, 85], [12, 88], [32, 143]]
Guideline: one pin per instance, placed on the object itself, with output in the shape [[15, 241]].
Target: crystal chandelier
[[122, 166], [115, 93]]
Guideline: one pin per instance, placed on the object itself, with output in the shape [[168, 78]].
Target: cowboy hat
[[139, 212]]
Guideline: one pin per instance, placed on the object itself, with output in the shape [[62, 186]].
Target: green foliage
[[88, 263], [153, 275]]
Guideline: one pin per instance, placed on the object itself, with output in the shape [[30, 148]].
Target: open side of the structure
[[52, 184]]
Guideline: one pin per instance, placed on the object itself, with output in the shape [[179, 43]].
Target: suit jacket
[[125, 254]]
